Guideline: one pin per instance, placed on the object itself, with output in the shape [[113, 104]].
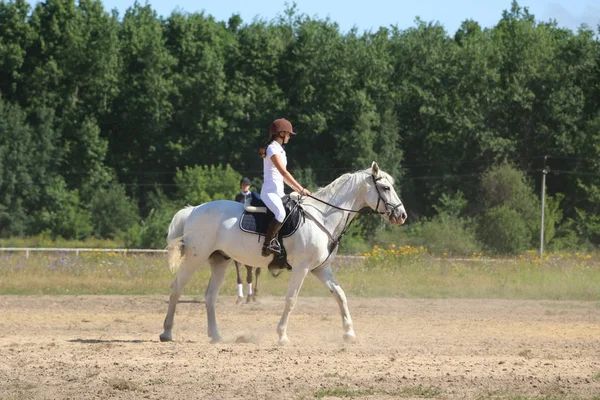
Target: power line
[[558, 172], [321, 182]]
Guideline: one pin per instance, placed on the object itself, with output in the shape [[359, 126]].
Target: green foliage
[[510, 223], [566, 237], [16, 35], [63, 216], [503, 230], [354, 241], [85, 156], [553, 219], [306, 177], [587, 225], [451, 205], [15, 142], [505, 185], [200, 184], [25, 158], [113, 212], [447, 232], [151, 232], [137, 128], [86, 95], [444, 234]]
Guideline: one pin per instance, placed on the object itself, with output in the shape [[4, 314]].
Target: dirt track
[[55, 347]]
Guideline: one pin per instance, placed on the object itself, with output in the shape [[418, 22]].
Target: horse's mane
[[344, 183]]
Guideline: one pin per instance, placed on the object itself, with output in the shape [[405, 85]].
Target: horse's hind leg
[[325, 275], [183, 277], [218, 265]]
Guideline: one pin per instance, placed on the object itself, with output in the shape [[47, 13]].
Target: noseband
[[389, 207]]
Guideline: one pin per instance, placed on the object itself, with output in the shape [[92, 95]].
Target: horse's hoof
[[284, 341], [239, 300], [349, 337], [216, 340], [165, 338]]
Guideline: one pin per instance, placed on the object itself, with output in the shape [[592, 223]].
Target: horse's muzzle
[[398, 218]]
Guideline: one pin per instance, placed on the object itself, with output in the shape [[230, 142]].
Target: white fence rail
[[28, 250]]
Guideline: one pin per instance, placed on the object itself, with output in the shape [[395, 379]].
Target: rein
[[346, 209], [369, 212], [335, 242]]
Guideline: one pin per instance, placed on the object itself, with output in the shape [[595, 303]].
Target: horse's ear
[[375, 169]]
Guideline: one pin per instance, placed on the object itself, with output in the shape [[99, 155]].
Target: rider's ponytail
[[263, 150]]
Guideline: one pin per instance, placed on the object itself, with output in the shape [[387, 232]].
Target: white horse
[[210, 232]]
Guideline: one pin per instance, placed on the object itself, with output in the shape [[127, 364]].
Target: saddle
[[257, 216]]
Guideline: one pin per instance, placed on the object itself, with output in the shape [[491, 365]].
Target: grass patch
[[418, 391], [558, 277], [123, 384], [526, 354], [343, 392], [412, 392]]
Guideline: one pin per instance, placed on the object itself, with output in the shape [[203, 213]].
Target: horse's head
[[382, 197]]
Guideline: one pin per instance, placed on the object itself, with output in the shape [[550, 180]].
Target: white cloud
[[588, 14]]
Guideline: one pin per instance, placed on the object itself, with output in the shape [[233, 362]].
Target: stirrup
[[274, 247]]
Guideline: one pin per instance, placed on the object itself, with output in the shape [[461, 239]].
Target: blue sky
[[372, 14]]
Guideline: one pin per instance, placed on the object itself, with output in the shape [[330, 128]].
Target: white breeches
[[274, 203]]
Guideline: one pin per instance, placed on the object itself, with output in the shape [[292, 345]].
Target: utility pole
[[544, 173]]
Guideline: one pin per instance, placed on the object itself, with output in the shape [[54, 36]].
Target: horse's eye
[[386, 188]]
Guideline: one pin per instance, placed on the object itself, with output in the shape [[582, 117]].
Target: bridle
[[389, 207], [334, 242]]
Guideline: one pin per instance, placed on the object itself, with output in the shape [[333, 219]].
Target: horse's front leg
[[325, 275], [296, 280]]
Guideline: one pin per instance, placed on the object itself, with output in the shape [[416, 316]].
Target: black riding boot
[[271, 246]]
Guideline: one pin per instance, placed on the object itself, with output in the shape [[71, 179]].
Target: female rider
[[275, 174]]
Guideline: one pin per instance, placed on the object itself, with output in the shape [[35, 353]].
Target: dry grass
[[559, 276]]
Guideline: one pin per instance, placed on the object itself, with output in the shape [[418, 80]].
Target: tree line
[[108, 123]]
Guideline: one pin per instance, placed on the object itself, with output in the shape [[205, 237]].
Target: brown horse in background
[[252, 286]]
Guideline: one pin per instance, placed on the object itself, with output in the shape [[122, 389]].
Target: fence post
[[544, 173]]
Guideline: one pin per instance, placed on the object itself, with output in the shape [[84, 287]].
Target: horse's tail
[[175, 242]]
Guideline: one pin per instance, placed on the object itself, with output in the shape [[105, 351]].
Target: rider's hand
[[305, 192]]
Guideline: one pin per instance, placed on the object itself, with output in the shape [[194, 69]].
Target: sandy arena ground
[[96, 347]]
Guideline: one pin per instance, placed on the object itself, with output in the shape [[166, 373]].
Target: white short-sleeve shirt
[[273, 180]]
